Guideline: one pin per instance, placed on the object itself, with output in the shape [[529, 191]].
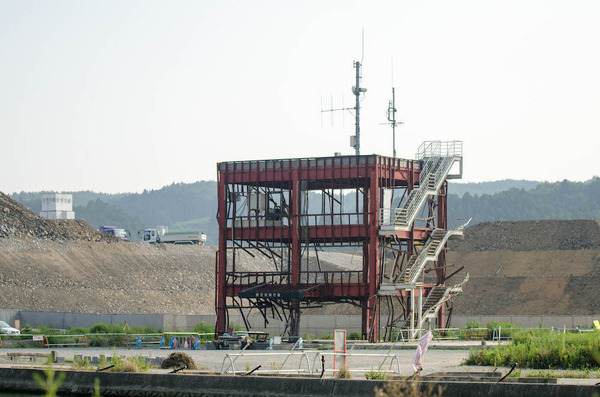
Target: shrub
[[375, 374], [82, 364], [77, 331], [473, 324], [543, 350], [203, 328], [343, 373], [354, 335], [409, 389], [178, 360], [130, 364]]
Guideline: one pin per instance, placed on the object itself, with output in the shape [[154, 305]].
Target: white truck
[[161, 234]]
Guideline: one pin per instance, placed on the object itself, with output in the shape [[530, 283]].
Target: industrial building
[[392, 211]]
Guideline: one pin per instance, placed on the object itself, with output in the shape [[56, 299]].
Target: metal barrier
[[46, 341], [497, 332], [287, 356], [319, 355], [303, 358]]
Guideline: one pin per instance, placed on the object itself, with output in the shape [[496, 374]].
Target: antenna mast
[[391, 116], [357, 90]]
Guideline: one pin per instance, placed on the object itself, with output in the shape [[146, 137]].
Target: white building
[[57, 206]]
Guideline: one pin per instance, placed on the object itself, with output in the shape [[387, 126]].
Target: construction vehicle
[[161, 234], [123, 234]]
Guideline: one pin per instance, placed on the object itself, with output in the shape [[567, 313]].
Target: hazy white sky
[[121, 96]]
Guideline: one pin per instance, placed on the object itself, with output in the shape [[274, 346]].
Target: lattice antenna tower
[[356, 91]]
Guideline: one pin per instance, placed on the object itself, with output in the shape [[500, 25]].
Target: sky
[[122, 96]]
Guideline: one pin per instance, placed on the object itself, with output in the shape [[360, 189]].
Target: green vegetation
[[354, 335], [559, 200], [203, 328], [343, 373], [375, 374], [129, 364], [194, 205], [473, 324], [539, 349], [409, 388], [50, 383]]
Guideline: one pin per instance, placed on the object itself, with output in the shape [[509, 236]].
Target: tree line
[[194, 205]]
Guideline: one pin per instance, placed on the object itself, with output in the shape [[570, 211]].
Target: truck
[[161, 235], [123, 234]]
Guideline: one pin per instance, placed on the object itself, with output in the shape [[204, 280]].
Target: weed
[[474, 324], [82, 364], [51, 383], [542, 350], [343, 373], [408, 388], [96, 388], [354, 335], [375, 374]]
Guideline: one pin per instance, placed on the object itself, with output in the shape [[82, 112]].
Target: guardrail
[[319, 355], [71, 340], [165, 340]]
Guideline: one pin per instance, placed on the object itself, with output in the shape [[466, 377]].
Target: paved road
[[435, 360]]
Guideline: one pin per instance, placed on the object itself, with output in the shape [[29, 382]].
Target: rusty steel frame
[[284, 229]]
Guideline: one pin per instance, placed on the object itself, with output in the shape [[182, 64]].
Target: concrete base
[[151, 385]]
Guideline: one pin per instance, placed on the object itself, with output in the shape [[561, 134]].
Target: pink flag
[[421, 349]]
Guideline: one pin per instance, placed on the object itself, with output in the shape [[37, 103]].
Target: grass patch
[[375, 374], [126, 364], [542, 350]]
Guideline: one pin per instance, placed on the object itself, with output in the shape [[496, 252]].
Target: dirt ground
[[532, 267], [529, 267]]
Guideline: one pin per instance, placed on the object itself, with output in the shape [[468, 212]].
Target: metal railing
[[392, 357], [420, 260], [429, 184], [439, 148]]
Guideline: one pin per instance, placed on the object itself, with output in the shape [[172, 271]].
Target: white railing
[[231, 358], [424, 256], [438, 158], [392, 357], [432, 311], [439, 148]]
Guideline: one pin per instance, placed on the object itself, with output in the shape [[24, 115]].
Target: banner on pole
[[421, 349]]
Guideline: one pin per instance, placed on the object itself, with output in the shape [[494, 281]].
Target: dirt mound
[[18, 221], [529, 267], [530, 236]]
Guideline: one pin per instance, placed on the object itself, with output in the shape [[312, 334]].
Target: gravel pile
[[541, 235], [18, 221]]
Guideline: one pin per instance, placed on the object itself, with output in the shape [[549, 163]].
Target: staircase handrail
[[423, 257], [449, 293]]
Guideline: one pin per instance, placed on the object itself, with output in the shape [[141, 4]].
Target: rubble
[[17, 221]]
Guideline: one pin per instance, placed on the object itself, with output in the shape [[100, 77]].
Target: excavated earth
[[529, 267], [532, 267]]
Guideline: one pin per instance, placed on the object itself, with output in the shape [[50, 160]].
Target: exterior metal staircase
[[437, 159], [436, 298]]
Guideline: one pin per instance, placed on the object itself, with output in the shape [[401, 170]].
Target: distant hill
[[559, 200], [480, 188], [193, 206]]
